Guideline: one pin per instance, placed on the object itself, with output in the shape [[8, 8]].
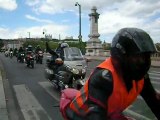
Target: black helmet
[[132, 41], [128, 43]]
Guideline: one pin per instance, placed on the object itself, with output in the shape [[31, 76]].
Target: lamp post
[[80, 36]]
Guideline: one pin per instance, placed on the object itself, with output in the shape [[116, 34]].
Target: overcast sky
[[18, 18]]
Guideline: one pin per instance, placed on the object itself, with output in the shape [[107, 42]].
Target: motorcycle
[[29, 59], [21, 57], [69, 73], [11, 54], [39, 57]]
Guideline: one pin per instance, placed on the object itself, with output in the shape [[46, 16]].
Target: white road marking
[[154, 72], [136, 115], [30, 107], [155, 78], [51, 90]]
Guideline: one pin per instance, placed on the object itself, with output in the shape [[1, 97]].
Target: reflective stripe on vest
[[78, 104]]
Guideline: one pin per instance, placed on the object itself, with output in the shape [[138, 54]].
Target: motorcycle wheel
[[28, 64], [22, 60], [40, 61], [32, 65]]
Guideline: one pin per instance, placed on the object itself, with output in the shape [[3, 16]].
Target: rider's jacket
[[118, 101]]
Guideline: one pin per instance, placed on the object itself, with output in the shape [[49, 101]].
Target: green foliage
[[53, 44], [106, 46], [1, 44], [34, 43], [81, 46]]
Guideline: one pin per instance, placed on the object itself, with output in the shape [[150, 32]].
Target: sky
[[60, 18]]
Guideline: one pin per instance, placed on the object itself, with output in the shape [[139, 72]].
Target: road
[[31, 97]]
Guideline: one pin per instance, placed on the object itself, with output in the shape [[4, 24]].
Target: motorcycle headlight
[[75, 71]]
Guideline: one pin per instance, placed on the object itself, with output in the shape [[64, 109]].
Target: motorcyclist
[[10, 50], [20, 50], [61, 50], [29, 48], [56, 55], [29, 51], [58, 49], [116, 82], [38, 48], [15, 53]]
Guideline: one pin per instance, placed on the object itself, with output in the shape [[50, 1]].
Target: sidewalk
[[3, 109], [154, 63]]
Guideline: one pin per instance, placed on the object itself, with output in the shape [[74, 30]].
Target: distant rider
[[10, 50], [21, 50], [29, 51], [38, 48], [53, 57]]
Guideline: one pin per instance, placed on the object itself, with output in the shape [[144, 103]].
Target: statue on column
[[96, 17], [94, 46]]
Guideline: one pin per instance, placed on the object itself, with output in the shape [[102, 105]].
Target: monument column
[[94, 23], [94, 46]]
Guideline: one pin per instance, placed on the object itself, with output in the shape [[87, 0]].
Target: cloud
[[35, 31], [143, 15], [8, 4], [32, 2], [37, 19], [114, 14]]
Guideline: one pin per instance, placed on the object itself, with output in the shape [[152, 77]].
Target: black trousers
[[74, 116]]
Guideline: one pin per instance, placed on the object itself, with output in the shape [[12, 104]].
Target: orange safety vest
[[118, 101]]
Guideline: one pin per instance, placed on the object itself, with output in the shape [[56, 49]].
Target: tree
[[54, 44], [1, 43]]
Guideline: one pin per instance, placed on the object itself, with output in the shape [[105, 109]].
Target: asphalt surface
[[3, 100]]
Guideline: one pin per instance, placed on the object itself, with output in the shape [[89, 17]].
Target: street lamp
[[80, 36]]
